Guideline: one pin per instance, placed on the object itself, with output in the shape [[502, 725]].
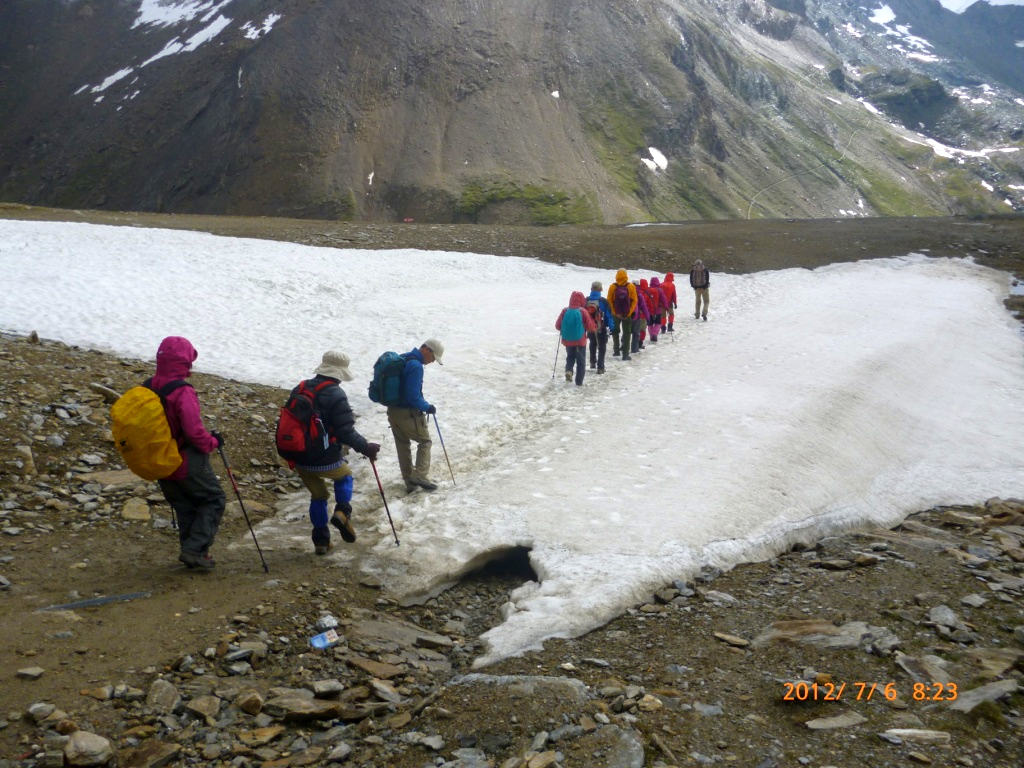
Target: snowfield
[[811, 401]]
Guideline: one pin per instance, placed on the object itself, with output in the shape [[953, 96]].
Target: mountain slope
[[533, 111]]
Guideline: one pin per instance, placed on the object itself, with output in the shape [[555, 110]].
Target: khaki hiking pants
[[316, 482], [410, 425], [701, 293]]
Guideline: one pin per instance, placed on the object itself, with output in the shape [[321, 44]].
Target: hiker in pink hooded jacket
[[574, 335], [660, 307], [192, 490]]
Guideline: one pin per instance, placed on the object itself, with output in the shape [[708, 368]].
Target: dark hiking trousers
[[598, 345], [576, 356], [198, 501], [623, 326]]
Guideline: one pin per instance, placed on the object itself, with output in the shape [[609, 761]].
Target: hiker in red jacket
[[669, 287], [574, 323], [192, 490]]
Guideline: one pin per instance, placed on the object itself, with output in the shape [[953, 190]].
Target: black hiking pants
[[576, 357], [198, 500], [623, 327], [598, 345]]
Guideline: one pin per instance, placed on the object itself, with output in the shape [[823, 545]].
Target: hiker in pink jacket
[[192, 490], [660, 302], [574, 323]]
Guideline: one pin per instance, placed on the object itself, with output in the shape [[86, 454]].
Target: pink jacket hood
[[174, 359]]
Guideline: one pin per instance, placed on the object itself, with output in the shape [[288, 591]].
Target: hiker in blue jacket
[[601, 312], [408, 419]]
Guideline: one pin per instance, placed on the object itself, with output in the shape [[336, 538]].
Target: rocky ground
[[881, 648]]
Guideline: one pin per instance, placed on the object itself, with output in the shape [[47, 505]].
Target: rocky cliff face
[[510, 111]]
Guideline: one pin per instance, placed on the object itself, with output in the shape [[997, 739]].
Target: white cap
[[335, 366], [436, 347]]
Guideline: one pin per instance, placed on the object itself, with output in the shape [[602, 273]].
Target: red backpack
[[594, 310], [301, 436], [653, 303]]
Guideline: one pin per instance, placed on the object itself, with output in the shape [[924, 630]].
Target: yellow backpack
[[141, 432]]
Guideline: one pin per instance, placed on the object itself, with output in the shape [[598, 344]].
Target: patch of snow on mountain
[[883, 15], [255, 33], [165, 13], [657, 161], [202, 36], [953, 153], [119, 75]]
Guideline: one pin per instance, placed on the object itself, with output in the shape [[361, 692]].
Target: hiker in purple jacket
[[193, 490], [641, 317], [574, 323]]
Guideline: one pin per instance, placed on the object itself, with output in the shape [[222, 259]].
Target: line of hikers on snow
[[159, 431], [629, 313]]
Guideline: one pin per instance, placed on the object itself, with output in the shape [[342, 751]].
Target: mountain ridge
[[539, 111]]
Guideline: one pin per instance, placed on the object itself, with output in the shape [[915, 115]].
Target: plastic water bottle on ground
[[325, 639]]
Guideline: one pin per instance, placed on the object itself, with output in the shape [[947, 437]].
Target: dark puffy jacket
[[332, 405]]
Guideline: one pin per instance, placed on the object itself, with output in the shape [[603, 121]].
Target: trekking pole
[[231, 475], [381, 489], [558, 343], [444, 449]]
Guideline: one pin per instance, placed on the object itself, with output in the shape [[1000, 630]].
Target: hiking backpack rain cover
[[572, 324], [621, 299], [141, 431], [386, 385], [301, 436]]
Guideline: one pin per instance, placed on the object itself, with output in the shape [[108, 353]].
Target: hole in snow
[[512, 563]]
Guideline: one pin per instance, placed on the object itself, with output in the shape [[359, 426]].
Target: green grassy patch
[[547, 206]]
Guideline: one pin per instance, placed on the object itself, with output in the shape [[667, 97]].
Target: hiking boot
[[696, 315], [625, 357], [568, 375], [342, 520], [410, 488], [670, 328], [593, 365], [616, 353], [663, 329], [705, 318], [426, 485], [641, 346], [322, 540], [191, 560], [600, 370], [654, 339]]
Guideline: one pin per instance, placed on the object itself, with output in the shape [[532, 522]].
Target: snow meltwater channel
[[811, 401]]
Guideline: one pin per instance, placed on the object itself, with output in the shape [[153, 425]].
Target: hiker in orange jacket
[[622, 299]]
